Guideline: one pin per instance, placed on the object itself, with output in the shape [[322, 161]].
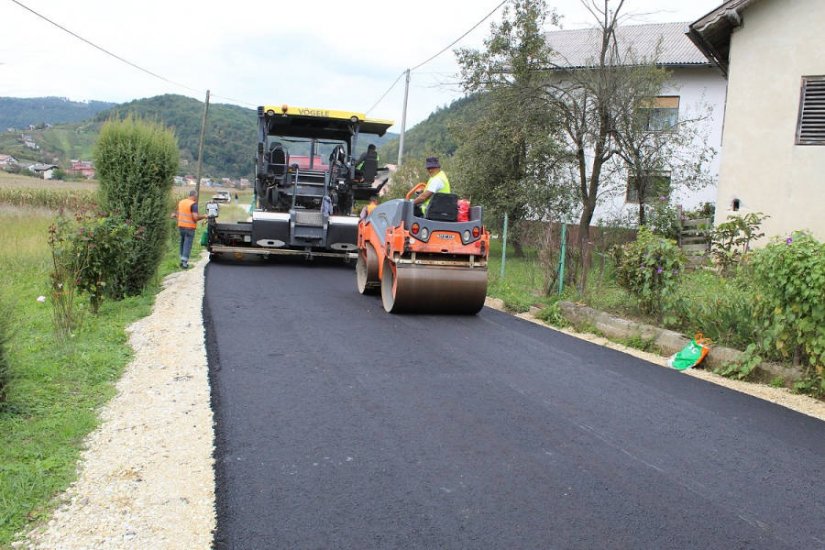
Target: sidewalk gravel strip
[[146, 478]]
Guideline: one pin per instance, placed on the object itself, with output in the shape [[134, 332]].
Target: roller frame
[[445, 275]]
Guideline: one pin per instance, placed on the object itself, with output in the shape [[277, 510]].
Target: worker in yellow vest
[[438, 183], [188, 217]]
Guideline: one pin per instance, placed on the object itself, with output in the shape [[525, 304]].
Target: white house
[[773, 149], [696, 88], [46, 171]]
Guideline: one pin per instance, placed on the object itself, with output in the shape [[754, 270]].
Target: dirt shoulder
[[146, 477]]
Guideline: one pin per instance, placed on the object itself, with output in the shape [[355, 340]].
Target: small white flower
[[41, 299]]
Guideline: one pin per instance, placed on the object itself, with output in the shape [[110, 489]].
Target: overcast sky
[[313, 53]]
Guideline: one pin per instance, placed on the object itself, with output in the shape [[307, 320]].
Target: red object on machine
[[463, 210]]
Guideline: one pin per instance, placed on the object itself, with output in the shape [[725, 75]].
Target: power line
[[102, 49], [457, 40], [380, 99], [453, 43]]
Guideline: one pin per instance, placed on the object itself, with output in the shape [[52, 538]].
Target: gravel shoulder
[[146, 477]]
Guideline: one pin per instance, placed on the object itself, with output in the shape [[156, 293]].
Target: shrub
[[730, 241], [136, 162], [663, 219], [719, 308], [87, 255], [648, 268], [704, 210], [103, 241], [64, 276], [790, 303]]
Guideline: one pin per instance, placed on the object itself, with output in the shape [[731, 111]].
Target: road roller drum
[[420, 265]]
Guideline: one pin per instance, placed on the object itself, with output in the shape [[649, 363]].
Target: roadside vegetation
[[538, 143], [65, 303], [768, 304]]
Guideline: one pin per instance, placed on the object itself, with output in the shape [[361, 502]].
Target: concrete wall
[[779, 42], [699, 89]]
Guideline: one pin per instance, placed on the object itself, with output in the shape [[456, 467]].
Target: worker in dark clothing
[[367, 165]]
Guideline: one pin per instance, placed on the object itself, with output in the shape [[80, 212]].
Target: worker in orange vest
[[188, 217], [367, 210]]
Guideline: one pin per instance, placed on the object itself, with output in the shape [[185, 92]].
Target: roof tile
[[580, 48]]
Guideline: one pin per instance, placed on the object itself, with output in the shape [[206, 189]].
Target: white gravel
[[146, 477]]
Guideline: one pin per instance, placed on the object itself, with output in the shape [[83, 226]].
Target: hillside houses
[[28, 141], [773, 148], [83, 168], [695, 90], [8, 161], [45, 171]]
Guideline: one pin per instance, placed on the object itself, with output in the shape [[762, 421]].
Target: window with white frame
[[810, 128], [657, 188], [659, 114]]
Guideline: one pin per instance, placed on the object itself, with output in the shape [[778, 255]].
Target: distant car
[[222, 196]]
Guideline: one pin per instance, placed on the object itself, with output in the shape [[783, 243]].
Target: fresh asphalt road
[[341, 426]]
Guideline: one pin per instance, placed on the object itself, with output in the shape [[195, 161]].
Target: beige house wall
[[779, 42]]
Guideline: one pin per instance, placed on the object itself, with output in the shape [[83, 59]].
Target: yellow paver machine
[[306, 184]]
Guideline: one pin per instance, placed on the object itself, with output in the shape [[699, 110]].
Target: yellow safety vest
[[446, 189], [185, 218]]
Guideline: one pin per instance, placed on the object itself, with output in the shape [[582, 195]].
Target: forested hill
[[229, 145], [20, 113], [436, 135], [231, 132]]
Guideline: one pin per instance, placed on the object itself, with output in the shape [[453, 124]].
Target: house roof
[[40, 167], [579, 48], [711, 33]]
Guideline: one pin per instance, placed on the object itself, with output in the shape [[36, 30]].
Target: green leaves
[[790, 273], [730, 241], [136, 161], [649, 268]]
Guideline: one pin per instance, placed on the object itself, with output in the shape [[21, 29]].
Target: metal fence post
[[561, 256], [504, 245]]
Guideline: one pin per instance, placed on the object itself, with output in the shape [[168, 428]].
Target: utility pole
[[403, 119], [200, 147]]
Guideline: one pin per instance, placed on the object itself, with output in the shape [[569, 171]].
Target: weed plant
[[54, 390]]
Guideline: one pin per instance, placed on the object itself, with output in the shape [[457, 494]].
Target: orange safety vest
[[185, 218]]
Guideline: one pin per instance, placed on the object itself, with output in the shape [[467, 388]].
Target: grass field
[[20, 181], [56, 388]]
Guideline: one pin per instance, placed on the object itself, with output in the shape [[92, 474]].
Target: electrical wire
[[380, 99], [453, 43], [457, 40], [126, 61], [102, 49]]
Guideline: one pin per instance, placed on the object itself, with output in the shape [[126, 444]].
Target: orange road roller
[[429, 263]]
